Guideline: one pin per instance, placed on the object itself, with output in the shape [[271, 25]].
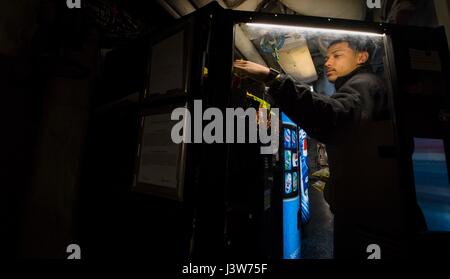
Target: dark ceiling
[[148, 11]]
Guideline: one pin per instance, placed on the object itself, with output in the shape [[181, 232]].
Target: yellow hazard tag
[[262, 103]]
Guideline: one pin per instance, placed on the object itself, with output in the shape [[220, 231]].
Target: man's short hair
[[357, 45]]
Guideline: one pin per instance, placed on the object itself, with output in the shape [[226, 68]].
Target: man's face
[[342, 60]]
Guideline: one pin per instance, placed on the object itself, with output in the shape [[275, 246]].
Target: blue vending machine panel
[[291, 232], [432, 182], [291, 198]]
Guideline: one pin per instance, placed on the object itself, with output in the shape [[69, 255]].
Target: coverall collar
[[342, 80]]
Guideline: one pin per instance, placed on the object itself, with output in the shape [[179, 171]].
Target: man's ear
[[363, 56]]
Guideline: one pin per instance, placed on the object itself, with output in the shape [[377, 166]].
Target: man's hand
[[252, 70]]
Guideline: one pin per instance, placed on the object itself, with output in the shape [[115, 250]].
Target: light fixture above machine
[[312, 29]]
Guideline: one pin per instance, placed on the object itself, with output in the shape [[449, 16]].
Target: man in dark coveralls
[[363, 191]]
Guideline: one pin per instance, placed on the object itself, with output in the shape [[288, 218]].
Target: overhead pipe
[[183, 7], [168, 8], [246, 47]]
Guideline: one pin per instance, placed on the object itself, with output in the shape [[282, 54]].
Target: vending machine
[[291, 190], [235, 201]]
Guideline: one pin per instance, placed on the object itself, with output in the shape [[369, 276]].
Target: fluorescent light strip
[[324, 30]]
